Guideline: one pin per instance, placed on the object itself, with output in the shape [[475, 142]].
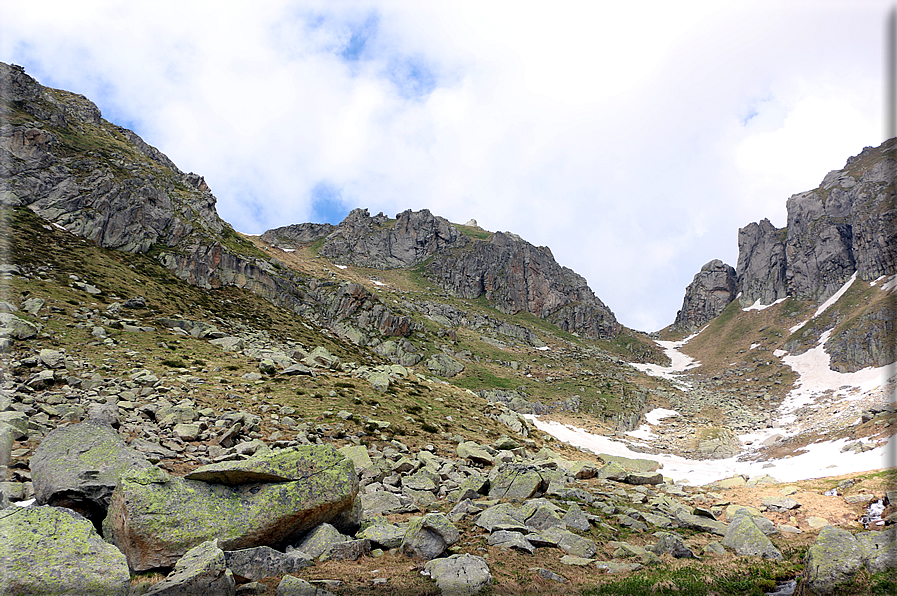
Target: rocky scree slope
[[846, 227], [468, 262]]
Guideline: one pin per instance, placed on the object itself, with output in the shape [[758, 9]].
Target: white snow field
[[820, 396]]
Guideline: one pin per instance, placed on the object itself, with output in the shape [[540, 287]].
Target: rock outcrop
[[712, 289], [845, 225], [516, 276], [62, 160], [381, 243]]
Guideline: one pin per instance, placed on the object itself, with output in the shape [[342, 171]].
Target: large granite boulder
[[837, 556], [52, 550], [515, 482], [155, 518], [78, 466], [427, 537], [459, 575], [746, 538], [202, 571]]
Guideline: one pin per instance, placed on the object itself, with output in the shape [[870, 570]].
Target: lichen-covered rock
[[459, 575], [155, 518], [427, 537], [837, 556], [263, 561], [78, 466], [202, 571], [443, 365], [293, 586], [320, 540], [747, 539], [279, 465], [515, 482], [16, 327], [51, 550]]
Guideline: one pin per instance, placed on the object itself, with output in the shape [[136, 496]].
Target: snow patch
[[815, 378], [834, 298], [819, 460], [658, 414], [679, 362], [341, 266], [757, 306], [754, 346], [543, 349], [288, 249]]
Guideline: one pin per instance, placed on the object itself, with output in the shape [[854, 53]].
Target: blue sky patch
[[327, 204], [412, 76]]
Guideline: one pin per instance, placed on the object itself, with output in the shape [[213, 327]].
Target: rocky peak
[[712, 289], [517, 276], [761, 263], [844, 226], [381, 243]]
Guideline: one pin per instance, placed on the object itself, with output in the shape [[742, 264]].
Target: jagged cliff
[[62, 160], [712, 289], [846, 227], [511, 273]]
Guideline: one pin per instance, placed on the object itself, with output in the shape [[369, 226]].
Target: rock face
[[513, 274], [712, 289], [79, 466], [381, 243], [73, 558], [844, 226], [128, 196], [156, 518], [289, 237], [761, 263], [517, 276]]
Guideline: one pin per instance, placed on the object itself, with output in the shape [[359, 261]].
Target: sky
[[633, 139]]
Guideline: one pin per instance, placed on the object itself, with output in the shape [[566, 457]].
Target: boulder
[[263, 561], [155, 518], [78, 466], [428, 536], [279, 465], [832, 560], [443, 365], [202, 571], [475, 453], [711, 290], [293, 586], [320, 540], [16, 328], [459, 575], [515, 482], [384, 534], [746, 538], [570, 543], [72, 557]]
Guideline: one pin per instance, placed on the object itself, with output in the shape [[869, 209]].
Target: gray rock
[[576, 519], [428, 536], [475, 453], [459, 575], [320, 540], [670, 544], [16, 328], [570, 543], [293, 586], [505, 539], [202, 571], [443, 365], [384, 503], [156, 518], [834, 559], [879, 549], [780, 503], [711, 290], [59, 539], [701, 523], [747, 539], [515, 482], [78, 466], [384, 534], [263, 561]]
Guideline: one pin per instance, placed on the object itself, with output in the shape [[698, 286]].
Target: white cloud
[[634, 140]]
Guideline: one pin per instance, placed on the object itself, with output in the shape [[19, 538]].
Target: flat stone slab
[[281, 465]]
